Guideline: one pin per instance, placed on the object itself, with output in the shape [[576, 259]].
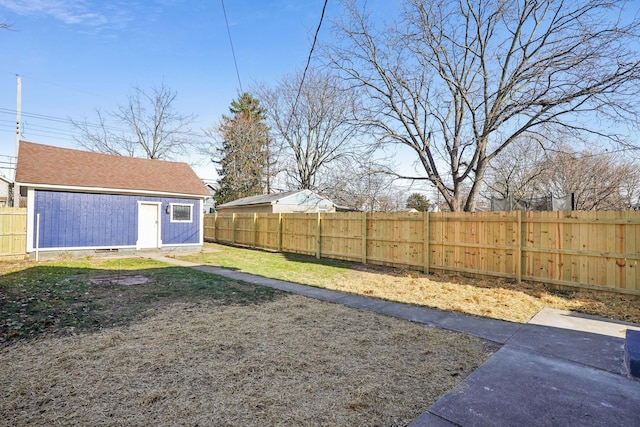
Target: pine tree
[[418, 202], [244, 150]]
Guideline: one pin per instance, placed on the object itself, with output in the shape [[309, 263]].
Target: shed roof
[[54, 166], [269, 199]]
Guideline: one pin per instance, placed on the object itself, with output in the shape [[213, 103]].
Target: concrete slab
[[582, 322], [429, 420], [356, 301], [490, 329], [518, 388], [598, 351], [307, 291], [413, 313]]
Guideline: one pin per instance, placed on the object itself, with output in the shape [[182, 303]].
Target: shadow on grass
[[305, 262], [488, 297], [485, 291], [52, 300]]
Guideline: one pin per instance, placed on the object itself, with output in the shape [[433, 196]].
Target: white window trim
[[182, 220]]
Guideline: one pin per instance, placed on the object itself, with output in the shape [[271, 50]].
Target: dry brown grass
[[292, 361], [495, 298]]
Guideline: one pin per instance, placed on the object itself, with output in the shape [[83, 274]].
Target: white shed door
[[147, 226]]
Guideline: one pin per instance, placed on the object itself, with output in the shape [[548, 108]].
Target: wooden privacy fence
[[598, 250], [13, 232]]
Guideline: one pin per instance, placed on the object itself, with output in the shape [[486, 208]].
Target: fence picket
[[13, 232]]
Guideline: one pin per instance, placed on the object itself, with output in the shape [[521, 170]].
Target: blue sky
[[77, 55]]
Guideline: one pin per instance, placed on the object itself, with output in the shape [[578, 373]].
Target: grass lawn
[[137, 342], [77, 295], [495, 298]]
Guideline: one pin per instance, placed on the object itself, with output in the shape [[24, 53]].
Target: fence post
[[364, 237], [519, 247], [233, 229], [280, 232], [318, 244], [255, 228], [215, 227], [426, 248]]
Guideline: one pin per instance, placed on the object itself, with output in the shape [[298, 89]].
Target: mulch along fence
[[597, 250], [13, 232]]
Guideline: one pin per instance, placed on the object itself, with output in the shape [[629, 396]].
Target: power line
[[66, 121], [43, 127], [33, 129], [29, 128], [233, 53], [35, 116], [306, 68], [49, 135]]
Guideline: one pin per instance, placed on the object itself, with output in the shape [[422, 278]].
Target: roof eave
[[107, 190], [224, 206]]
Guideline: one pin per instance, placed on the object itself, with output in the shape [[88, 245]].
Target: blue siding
[[181, 232], [75, 220]]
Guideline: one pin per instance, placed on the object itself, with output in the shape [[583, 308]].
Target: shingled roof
[[264, 199], [45, 165]]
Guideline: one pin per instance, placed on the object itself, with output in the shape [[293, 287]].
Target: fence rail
[[13, 232], [597, 250]]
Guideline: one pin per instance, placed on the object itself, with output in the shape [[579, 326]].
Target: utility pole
[[268, 166], [16, 188]]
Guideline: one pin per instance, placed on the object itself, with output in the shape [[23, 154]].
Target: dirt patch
[[121, 280], [292, 361]]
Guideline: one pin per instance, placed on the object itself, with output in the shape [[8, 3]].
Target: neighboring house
[[83, 201], [209, 202], [299, 201], [5, 185]]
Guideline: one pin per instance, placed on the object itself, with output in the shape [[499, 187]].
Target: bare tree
[[364, 188], [458, 81], [598, 181], [312, 121], [147, 126], [518, 171], [630, 186]]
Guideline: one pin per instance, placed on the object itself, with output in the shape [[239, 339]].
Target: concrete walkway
[[562, 370]]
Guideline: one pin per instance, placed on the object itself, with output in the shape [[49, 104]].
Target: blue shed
[[80, 201]]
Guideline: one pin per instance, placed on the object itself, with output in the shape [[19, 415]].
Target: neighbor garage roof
[[264, 199], [45, 165]]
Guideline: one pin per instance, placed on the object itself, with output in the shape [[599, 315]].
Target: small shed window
[[181, 213]]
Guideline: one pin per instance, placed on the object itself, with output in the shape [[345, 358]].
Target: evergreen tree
[[243, 152], [418, 202]]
